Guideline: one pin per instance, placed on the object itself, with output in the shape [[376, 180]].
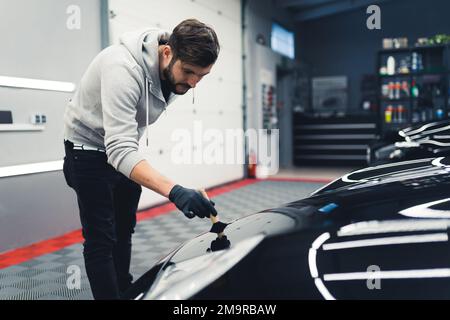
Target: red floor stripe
[[20, 255], [24, 254]]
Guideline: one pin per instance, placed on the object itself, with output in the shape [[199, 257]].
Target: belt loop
[[68, 143]]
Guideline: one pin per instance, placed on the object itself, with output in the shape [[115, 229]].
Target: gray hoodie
[[118, 96]]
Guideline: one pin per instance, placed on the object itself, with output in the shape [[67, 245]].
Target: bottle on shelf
[[405, 89], [414, 89], [397, 87], [388, 114], [401, 114], [403, 66], [391, 90], [395, 114], [385, 91], [391, 65], [416, 62], [419, 62]]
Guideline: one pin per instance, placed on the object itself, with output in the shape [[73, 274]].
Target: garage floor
[[45, 276]]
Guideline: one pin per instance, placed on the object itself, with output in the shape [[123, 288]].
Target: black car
[[376, 233], [422, 141]]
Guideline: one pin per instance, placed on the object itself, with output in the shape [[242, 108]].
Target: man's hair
[[195, 43]]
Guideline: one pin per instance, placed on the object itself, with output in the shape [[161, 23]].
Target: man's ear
[[167, 51]]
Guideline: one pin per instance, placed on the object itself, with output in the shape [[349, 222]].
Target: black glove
[[191, 202]]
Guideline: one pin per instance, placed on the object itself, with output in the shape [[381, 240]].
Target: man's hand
[[191, 202]]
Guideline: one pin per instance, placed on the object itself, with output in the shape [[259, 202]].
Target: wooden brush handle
[[214, 219], [203, 192]]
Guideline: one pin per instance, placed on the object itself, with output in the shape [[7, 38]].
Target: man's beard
[[170, 79]]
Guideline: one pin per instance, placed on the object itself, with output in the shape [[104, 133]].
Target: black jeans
[[107, 202]]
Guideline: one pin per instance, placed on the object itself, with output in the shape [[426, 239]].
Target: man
[[125, 88]]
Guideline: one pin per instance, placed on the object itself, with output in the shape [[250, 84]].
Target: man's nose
[[193, 81]]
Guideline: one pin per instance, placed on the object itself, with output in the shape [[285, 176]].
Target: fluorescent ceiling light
[[36, 84], [31, 168]]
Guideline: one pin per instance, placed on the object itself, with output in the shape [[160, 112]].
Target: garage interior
[[313, 75]]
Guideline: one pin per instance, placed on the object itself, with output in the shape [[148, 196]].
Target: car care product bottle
[[419, 62], [388, 114], [394, 114], [405, 89], [391, 90], [414, 89], [391, 65], [397, 90], [385, 90], [401, 114], [414, 62]]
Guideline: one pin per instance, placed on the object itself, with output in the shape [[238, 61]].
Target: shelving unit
[[423, 94]]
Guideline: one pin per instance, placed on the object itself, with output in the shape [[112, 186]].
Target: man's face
[[184, 76]]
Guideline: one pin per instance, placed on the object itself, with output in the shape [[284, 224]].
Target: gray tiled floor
[[45, 277]]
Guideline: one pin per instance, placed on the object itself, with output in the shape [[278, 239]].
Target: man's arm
[[120, 93], [144, 174]]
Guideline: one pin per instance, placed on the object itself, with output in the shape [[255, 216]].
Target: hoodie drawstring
[[146, 108], [148, 87]]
